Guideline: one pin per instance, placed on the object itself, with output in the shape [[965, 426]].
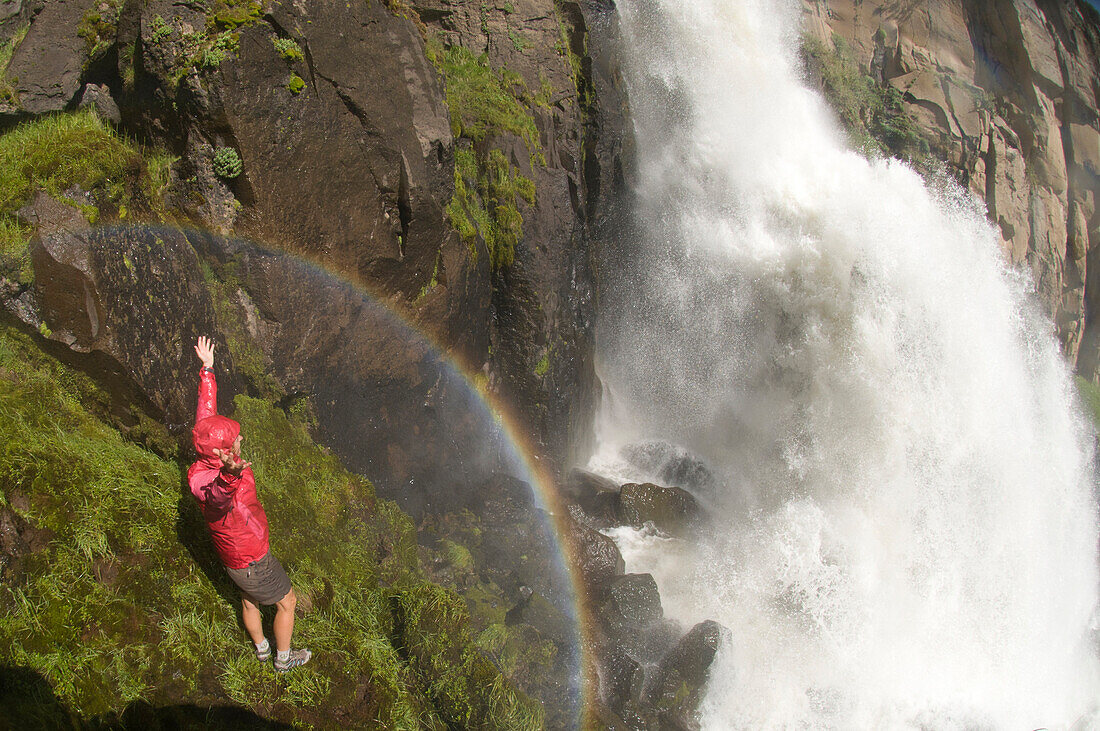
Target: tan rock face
[[1005, 93]]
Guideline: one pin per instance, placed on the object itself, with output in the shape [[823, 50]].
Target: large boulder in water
[[595, 556], [682, 676], [670, 509], [632, 604], [672, 465], [596, 496]]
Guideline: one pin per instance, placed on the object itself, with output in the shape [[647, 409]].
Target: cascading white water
[[906, 530]]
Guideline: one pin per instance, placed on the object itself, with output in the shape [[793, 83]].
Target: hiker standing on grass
[[226, 490]]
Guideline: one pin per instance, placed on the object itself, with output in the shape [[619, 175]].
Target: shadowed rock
[[671, 509], [46, 68], [597, 496], [682, 676], [595, 556], [132, 298]]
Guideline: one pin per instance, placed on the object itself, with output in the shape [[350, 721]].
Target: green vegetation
[[98, 28], [434, 627], [483, 101], [227, 163], [233, 14], [126, 600], [55, 153], [295, 84], [161, 29], [543, 366], [220, 46], [873, 114], [288, 49], [484, 203]]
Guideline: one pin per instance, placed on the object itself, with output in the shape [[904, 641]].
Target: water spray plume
[[906, 530]]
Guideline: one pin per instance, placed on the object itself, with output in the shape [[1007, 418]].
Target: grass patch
[[483, 101], [128, 602], [56, 152], [465, 686]]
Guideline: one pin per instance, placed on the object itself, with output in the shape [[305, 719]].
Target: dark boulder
[[622, 679], [98, 97], [595, 557], [632, 603], [670, 509], [132, 301], [672, 465], [597, 496], [682, 676]]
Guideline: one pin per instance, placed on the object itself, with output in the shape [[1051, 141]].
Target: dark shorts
[[263, 581]]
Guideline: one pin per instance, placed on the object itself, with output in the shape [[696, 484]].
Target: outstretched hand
[[205, 350], [232, 461]]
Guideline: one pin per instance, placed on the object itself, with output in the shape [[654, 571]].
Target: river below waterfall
[[900, 480]]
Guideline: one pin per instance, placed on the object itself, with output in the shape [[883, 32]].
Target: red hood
[[214, 432]]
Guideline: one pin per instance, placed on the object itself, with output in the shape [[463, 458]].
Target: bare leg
[[253, 622], [284, 620]]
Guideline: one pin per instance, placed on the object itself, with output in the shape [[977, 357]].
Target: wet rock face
[[132, 300], [682, 676], [670, 509], [45, 70], [1005, 93]]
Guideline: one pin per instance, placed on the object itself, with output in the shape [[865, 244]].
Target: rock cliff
[[1005, 94], [441, 156]]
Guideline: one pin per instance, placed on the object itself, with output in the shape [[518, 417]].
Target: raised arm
[[208, 387]]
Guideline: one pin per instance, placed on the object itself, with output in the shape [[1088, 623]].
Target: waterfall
[[903, 526]]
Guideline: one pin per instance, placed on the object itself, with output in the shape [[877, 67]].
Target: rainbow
[[522, 458]]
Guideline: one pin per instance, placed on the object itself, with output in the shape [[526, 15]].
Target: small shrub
[[295, 84], [223, 44], [288, 49], [227, 163], [161, 29]]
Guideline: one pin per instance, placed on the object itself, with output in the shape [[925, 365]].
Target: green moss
[[543, 366], [465, 687], [15, 261], [288, 49], [487, 191], [232, 14], [98, 28], [484, 102], [457, 555], [295, 84]]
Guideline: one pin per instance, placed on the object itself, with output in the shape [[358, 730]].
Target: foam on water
[[907, 524]]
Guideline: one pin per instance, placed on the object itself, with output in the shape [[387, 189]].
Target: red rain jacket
[[229, 503]]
